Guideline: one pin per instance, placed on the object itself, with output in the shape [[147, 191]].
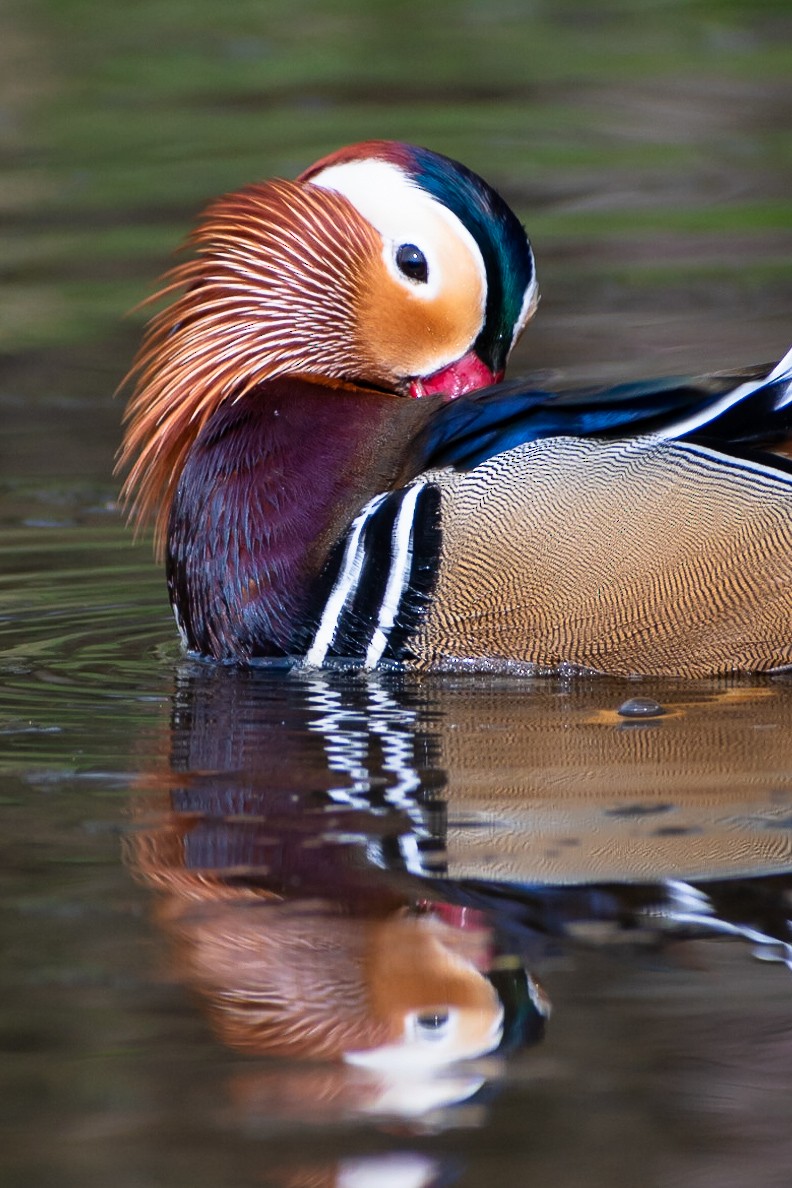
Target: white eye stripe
[[402, 213]]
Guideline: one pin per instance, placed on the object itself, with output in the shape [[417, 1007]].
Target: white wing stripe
[[782, 370]]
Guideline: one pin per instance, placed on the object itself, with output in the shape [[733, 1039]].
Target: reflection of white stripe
[[345, 583], [689, 905], [401, 560], [781, 371]]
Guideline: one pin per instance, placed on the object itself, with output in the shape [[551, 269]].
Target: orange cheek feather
[[404, 334]]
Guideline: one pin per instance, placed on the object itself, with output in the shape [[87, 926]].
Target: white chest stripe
[[353, 566], [346, 582], [401, 561]]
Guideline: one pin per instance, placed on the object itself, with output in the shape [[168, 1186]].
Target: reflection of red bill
[[455, 915], [469, 920]]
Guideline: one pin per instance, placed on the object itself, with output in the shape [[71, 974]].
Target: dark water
[[306, 930]]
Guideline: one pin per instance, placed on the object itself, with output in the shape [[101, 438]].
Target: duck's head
[[383, 266]]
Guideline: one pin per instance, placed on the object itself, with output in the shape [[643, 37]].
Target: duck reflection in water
[[293, 883], [296, 830]]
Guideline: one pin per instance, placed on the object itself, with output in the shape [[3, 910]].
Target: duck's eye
[[412, 262]]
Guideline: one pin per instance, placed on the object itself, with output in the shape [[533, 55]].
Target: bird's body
[[310, 508]]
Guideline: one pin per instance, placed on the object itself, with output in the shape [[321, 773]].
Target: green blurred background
[[646, 146]]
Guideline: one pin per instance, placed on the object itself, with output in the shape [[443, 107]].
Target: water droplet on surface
[[640, 707]]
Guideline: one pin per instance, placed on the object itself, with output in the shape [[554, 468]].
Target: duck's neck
[[268, 488]]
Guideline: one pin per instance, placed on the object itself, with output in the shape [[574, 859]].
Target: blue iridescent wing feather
[[732, 412]]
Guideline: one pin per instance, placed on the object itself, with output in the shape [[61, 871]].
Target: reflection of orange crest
[[304, 978], [307, 978]]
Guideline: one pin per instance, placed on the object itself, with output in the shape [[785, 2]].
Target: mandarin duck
[[308, 507]]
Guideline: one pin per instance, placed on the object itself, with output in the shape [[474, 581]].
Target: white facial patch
[[403, 213], [467, 1034]]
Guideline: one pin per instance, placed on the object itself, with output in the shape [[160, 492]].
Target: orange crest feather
[[273, 290]]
